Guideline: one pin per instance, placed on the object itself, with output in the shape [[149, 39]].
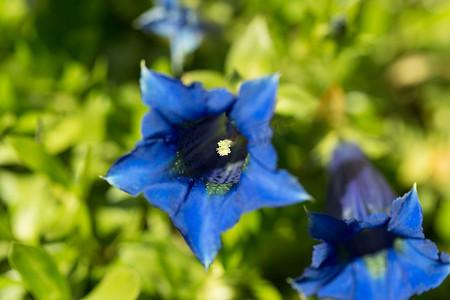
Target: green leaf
[[5, 227], [293, 101], [120, 283], [39, 272], [63, 134], [253, 53], [209, 79], [34, 157], [95, 112], [263, 290]]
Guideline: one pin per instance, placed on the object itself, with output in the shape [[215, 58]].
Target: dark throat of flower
[[212, 150], [367, 242]]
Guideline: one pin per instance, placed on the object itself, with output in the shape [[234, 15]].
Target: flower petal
[[323, 227], [341, 286], [422, 267], [201, 218], [219, 100], [379, 276], [260, 147], [196, 219], [255, 104], [312, 279], [186, 40], [148, 163], [343, 154], [399, 287], [371, 283], [167, 195], [425, 247], [356, 189], [169, 4], [321, 253], [375, 221], [178, 103], [155, 126], [259, 187], [230, 210], [406, 216], [156, 21]]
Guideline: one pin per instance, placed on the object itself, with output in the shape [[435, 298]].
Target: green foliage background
[[376, 72]]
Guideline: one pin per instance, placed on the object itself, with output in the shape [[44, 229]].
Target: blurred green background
[[376, 72]]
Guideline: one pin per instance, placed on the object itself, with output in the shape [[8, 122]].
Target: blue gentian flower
[[179, 24], [206, 157], [378, 251]]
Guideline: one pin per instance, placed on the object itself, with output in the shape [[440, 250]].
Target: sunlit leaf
[[253, 53], [39, 272], [120, 283], [63, 134], [94, 121], [293, 101], [209, 79], [34, 156], [263, 290]]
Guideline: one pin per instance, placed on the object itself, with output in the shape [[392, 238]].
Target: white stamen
[[224, 147]]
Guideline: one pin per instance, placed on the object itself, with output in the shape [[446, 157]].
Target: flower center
[[213, 150], [368, 241]]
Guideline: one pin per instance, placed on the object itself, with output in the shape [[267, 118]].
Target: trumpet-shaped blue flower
[[206, 157], [177, 23], [378, 253]]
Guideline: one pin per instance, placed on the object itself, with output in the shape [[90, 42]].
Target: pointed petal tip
[[407, 216], [261, 81], [276, 76], [303, 197], [411, 194], [291, 282], [306, 209], [111, 180], [310, 215], [272, 78], [206, 265], [145, 73], [142, 64], [148, 74], [307, 197], [207, 260], [300, 195], [107, 178], [151, 74]]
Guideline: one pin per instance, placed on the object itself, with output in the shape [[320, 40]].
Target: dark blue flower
[[373, 255], [206, 157], [356, 189], [177, 23]]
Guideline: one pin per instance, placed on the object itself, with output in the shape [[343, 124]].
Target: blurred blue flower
[[177, 23], [356, 189], [206, 157], [373, 255]]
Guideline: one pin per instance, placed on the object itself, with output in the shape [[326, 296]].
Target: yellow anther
[[224, 147]]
